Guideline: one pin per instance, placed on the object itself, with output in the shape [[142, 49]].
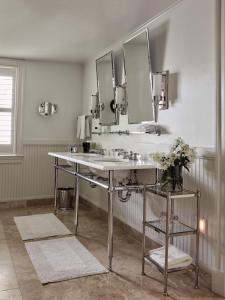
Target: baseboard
[[27, 198], [24, 203], [49, 142], [218, 282]]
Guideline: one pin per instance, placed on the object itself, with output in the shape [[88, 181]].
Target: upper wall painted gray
[[59, 83]]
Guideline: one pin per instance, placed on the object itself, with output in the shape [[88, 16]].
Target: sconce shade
[[94, 101], [46, 109]]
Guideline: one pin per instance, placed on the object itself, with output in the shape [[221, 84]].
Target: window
[[10, 108]]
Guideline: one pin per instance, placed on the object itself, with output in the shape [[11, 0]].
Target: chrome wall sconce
[[121, 99], [160, 82], [47, 109], [95, 106]]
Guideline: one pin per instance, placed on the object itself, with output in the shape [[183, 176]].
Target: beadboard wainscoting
[[33, 177], [202, 176]]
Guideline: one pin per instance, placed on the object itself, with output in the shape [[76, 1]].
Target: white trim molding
[[18, 199], [18, 113], [218, 273], [49, 142], [11, 158]]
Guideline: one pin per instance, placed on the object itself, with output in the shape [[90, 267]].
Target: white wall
[[183, 42], [59, 83]]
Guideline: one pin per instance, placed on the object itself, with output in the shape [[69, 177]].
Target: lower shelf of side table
[[191, 267]]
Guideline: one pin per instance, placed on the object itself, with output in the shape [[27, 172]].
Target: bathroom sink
[[81, 155], [85, 154], [110, 159], [118, 175]]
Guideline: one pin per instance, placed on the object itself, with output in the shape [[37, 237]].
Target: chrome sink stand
[[110, 187]]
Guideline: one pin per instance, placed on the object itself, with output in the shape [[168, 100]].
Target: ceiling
[[69, 30]]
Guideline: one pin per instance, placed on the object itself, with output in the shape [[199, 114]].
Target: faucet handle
[[125, 155], [136, 156], [117, 150], [102, 151], [121, 151]]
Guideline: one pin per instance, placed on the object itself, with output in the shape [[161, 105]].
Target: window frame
[[17, 149]]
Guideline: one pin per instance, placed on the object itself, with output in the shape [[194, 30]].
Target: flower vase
[[172, 179]]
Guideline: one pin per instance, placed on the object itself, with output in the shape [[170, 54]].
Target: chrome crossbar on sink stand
[[110, 187]]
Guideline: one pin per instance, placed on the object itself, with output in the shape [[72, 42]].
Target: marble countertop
[[104, 163]]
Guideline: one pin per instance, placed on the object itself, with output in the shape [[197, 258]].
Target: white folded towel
[[176, 257], [88, 125], [84, 124], [81, 127]]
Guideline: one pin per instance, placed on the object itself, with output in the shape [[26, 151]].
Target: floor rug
[[40, 226], [62, 259]]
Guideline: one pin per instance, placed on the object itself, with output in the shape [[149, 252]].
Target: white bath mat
[[40, 226], [62, 259]]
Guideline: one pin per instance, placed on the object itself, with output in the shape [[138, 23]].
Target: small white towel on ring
[[88, 125], [81, 127], [176, 257]]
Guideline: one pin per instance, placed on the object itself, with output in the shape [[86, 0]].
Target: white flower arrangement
[[180, 154]]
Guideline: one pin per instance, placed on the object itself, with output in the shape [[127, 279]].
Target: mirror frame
[[114, 87], [146, 30]]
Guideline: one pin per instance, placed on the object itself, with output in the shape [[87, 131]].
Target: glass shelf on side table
[[173, 195], [176, 227]]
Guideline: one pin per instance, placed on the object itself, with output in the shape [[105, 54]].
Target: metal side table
[[171, 228]]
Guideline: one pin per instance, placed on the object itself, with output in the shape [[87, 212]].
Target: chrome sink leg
[[168, 201], [197, 242], [143, 232], [56, 185], [110, 219], [76, 206]]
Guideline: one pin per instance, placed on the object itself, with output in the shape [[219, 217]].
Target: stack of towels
[[176, 257]]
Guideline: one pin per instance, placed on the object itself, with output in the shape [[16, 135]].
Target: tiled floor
[[18, 279]]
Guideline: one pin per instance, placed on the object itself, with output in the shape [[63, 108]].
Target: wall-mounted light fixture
[[160, 92], [95, 107], [47, 109], [203, 225], [121, 99]]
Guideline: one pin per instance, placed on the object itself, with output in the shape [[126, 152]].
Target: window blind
[[7, 108]]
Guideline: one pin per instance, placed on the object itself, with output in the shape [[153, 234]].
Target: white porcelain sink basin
[[107, 159], [118, 175], [85, 154]]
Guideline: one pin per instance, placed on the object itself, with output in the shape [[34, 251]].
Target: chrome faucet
[[135, 156], [122, 153], [131, 155], [119, 151], [127, 155], [101, 151]]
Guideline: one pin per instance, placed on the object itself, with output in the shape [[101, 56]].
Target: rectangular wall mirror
[[106, 89], [137, 68]]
